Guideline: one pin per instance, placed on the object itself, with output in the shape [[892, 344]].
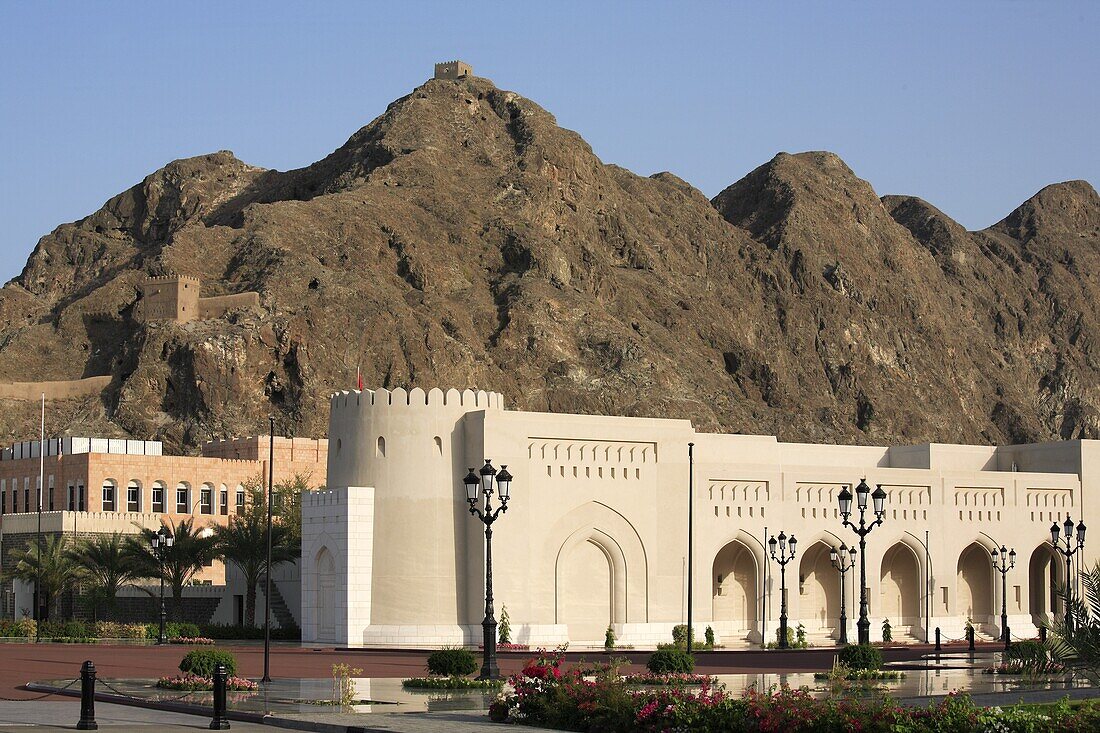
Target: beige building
[[100, 485], [596, 532]]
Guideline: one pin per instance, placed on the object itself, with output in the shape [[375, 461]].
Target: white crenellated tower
[[393, 459]]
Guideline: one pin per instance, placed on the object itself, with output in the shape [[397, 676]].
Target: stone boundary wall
[[219, 305], [61, 390]]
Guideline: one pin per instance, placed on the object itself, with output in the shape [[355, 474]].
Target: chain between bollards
[[87, 697], [220, 721]]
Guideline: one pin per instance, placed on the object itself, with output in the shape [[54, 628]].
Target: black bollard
[[219, 722], [970, 638], [87, 697], [1008, 638], [1043, 634], [938, 646]]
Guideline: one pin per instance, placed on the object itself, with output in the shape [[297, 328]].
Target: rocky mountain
[[464, 239]]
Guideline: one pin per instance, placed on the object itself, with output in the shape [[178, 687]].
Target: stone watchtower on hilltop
[[453, 70], [176, 298], [170, 298]]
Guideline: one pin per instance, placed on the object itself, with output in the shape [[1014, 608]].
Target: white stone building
[[597, 529]]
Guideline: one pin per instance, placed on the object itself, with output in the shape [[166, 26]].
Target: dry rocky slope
[[464, 239]]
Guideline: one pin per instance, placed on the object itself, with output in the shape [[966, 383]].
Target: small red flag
[[359, 379]]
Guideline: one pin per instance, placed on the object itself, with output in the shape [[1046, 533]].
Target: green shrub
[[708, 637], [680, 635], [1028, 653], [664, 661], [24, 628], [860, 656], [609, 638], [504, 628], [451, 683], [452, 661], [203, 661]]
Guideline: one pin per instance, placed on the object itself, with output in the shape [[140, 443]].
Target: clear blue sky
[[973, 106]]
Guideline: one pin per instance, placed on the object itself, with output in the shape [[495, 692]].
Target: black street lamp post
[[782, 558], [1068, 552], [161, 542], [1003, 561], [879, 500], [482, 482], [843, 560]]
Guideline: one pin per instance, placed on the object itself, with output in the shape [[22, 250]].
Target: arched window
[[183, 498], [381, 447], [158, 496], [223, 500], [206, 499], [133, 496], [240, 499], [109, 488]]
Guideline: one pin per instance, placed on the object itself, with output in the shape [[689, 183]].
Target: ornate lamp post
[[879, 500], [843, 560], [782, 558], [1003, 561], [161, 542], [482, 482], [1068, 552]]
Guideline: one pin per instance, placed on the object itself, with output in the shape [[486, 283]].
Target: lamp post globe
[[479, 488], [1062, 540], [783, 557], [162, 541], [878, 501], [1003, 561]]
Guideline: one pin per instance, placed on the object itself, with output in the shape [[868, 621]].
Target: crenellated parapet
[[176, 298], [417, 397]]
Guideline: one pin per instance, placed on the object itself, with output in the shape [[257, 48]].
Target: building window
[[51, 493], [26, 493], [240, 499], [158, 497], [133, 497], [108, 496], [224, 500], [4, 500], [183, 498], [81, 505], [205, 499], [72, 498], [14, 500]]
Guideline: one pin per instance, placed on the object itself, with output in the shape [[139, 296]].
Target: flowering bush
[[668, 678], [595, 698], [192, 640], [198, 683], [24, 628], [509, 647]]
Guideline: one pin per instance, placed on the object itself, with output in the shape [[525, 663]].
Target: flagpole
[[41, 475]]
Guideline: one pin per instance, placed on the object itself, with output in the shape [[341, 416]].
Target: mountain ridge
[[463, 239]]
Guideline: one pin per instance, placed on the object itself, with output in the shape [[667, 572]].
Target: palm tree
[[191, 551], [243, 542], [47, 564], [1078, 646], [105, 561]]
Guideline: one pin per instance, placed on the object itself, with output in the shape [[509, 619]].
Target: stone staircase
[[279, 609]]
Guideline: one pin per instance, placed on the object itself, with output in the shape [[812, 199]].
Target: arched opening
[[325, 598], [223, 500], [183, 498], [438, 445], [974, 585], [158, 496], [1045, 576], [240, 499], [133, 496], [381, 447], [585, 590], [733, 591], [818, 590], [110, 489], [206, 499], [899, 586]]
